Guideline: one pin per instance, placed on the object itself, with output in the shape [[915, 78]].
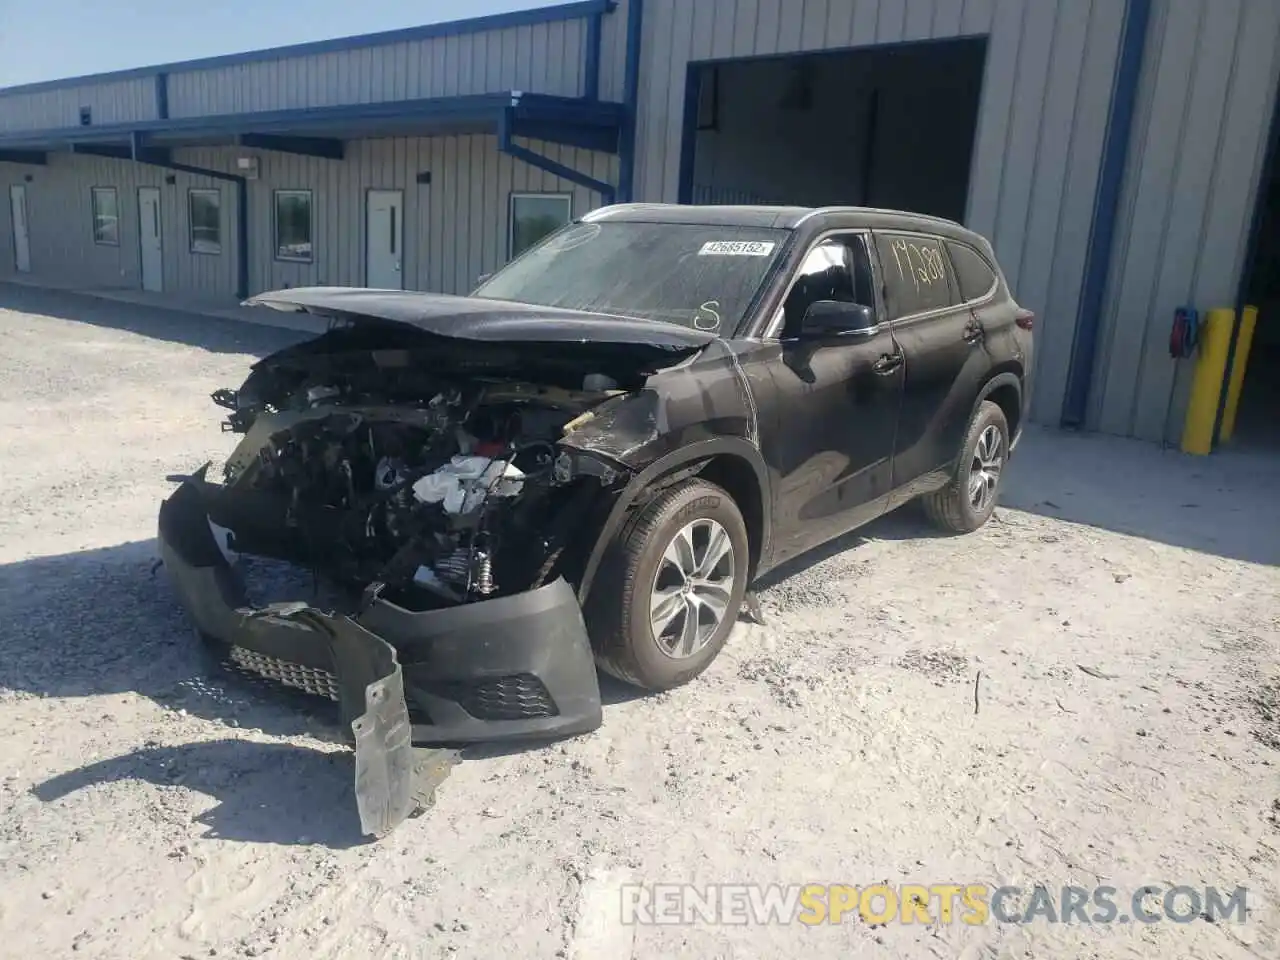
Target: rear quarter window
[[917, 273], [973, 274]]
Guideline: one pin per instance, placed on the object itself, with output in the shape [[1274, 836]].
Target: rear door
[[946, 360]]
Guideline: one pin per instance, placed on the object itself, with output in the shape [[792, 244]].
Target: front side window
[[206, 221], [836, 269], [535, 216], [917, 276], [698, 275], [293, 225], [106, 216]]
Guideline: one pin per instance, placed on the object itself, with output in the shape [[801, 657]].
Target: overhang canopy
[[589, 124]]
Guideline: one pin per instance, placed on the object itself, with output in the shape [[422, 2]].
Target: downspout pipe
[[591, 69], [1102, 233], [160, 158], [630, 102]]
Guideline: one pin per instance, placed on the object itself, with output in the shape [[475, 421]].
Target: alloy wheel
[[988, 462], [692, 588]]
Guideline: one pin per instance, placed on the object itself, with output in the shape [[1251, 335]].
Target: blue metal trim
[[162, 96], [454, 28], [601, 139], [630, 102], [1115, 156], [481, 111], [35, 158], [689, 135], [505, 145], [109, 151], [325, 148], [591, 68]]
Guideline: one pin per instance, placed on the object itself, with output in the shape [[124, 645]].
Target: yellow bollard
[[1248, 322], [1206, 387]]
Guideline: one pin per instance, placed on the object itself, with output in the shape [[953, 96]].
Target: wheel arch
[[732, 463], [1005, 391]]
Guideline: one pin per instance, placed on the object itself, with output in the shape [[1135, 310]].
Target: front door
[[384, 240], [152, 251], [945, 354], [837, 403], [21, 235]]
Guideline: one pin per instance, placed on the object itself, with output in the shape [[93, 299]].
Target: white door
[[149, 238], [21, 236], [384, 240]]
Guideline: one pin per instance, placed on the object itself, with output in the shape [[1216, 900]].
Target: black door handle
[[887, 363]]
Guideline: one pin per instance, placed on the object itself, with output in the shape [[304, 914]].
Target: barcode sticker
[[736, 248]]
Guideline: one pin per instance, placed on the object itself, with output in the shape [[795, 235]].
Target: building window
[[106, 216], [534, 216], [205, 207], [293, 225]]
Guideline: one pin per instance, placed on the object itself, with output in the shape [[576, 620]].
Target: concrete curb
[[230, 310]]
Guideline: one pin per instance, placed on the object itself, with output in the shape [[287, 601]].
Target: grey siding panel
[[1041, 125], [117, 101], [455, 228], [542, 58], [1195, 159], [60, 221]]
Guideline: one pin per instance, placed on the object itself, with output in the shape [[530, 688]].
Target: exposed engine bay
[[427, 490]]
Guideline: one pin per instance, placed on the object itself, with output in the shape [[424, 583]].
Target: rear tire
[[967, 502], [670, 587]]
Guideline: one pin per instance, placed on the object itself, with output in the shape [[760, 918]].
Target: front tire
[[967, 502], [671, 587]]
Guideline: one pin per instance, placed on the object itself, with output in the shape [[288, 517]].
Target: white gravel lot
[[150, 806]]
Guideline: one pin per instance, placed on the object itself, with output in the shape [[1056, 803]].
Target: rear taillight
[[1025, 319]]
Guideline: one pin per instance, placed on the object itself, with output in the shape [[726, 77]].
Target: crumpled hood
[[473, 318]]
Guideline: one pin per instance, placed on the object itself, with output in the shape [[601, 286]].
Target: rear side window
[[973, 274], [917, 276]]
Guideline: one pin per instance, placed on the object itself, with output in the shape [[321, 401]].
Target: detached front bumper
[[512, 668]]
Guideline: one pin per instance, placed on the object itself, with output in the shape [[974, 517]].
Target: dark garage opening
[[1259, 406], [885, 126]]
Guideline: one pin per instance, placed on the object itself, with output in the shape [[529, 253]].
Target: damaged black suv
[[591, 458]]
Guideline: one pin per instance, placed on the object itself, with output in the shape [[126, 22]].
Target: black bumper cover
[[518, 667]]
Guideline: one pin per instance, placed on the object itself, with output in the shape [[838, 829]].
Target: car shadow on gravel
[[906, 523], [274, 793], [104, 622], [214, 334]]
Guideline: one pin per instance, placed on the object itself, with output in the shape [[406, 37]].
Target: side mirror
[[834, 318], [483, 279]]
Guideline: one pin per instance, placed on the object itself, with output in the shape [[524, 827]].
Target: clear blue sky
[[48, 39]]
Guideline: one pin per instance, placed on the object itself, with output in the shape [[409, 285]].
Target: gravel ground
[[1084, 692]]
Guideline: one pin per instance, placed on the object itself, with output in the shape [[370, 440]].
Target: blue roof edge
[[498, 21], [531, 106]]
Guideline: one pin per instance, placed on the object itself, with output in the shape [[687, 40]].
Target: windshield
[[696, 275]]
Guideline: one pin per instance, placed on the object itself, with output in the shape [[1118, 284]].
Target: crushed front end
[[451, 513]]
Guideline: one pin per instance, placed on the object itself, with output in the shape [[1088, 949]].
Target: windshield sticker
[[707, 318], [736, 248]]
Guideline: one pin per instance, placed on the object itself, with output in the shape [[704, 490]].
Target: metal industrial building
[[1115, 151]]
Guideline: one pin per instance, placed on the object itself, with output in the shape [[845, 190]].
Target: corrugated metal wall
[[60, 222], [1042, 119], [1195, 158], [455, 228], [112, 101], [546, 58]]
